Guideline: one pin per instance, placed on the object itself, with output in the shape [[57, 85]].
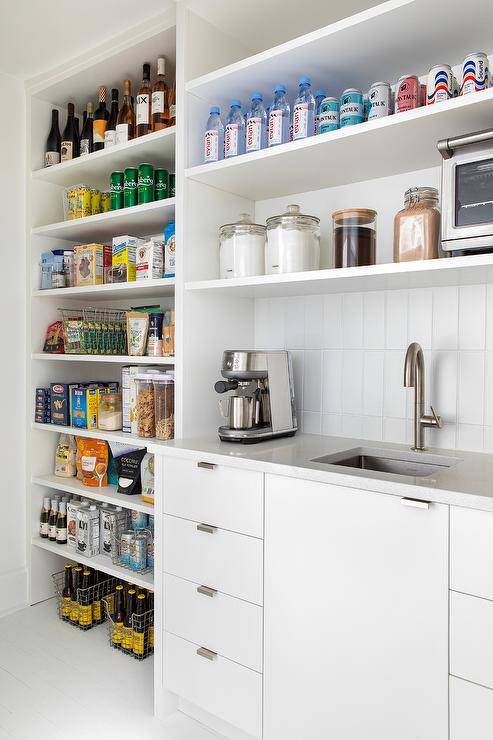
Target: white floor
[[57, 682]]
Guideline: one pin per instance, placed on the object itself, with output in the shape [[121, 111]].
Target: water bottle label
[[275, 127], [300, 121], [253, 134], [231, 140], [211, 146]]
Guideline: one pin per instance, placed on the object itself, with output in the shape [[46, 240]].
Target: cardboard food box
[[149, 260], [90, 261], [124, 253], [84, 404], [60, 404]]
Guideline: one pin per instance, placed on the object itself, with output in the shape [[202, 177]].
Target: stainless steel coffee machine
[[262, 405]]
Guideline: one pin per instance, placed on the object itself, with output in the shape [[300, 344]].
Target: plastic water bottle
[[304, 111], [256, 125], [319, 96], [279, 118], [214, 137], [234, 135]]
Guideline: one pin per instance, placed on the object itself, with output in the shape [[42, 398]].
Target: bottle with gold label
[[100, 122], [119, 617], [97, 606], [85, 601], [150, 607], [140, 637], [127, 641], [67, 593], [74, 604]]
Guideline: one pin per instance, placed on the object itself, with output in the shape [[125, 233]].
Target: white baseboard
[[13, 590]]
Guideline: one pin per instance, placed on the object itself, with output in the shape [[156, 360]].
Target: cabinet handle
[[207, 591], [206, 528], [206, 465], [417, 503], [205, 653]]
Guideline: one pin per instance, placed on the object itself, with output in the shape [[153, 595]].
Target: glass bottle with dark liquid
[[354, 237]]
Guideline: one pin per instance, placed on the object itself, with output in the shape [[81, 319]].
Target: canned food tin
[[105, 201], [439, 86], [116, 190], [379, 100], [407, 94], [328, 115], [138, 553], [72, 204], [83, 202], [139, 519], [171, 184], [351, 108], [161, 184], [475, 73], [125, 540], [146, 183], [130, 178], [95, 202]]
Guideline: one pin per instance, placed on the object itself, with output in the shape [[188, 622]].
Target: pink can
[[408, 93]]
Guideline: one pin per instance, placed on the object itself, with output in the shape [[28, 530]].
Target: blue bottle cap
[[305, 81], [235, 104], [280, 89], [257, 96], [320, 94], [214, 110]]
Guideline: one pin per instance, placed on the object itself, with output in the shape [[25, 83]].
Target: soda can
[[161, 184], [125, 540], [379, 100], [150, 553], [475, 73], [140, 519], [351, 107], [130, 178], [328, 115], [407, 94], [171, 184], [439, 86], [138, 553], [95, 201], [146, 183], [116, 191], [105, 201]]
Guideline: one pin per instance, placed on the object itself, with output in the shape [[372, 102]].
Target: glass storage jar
[[354, 232], [110, 417], [146, 425], [242, 248], [293, 242], [164, 409], [417, 226]]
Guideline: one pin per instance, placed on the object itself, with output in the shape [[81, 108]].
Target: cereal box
[[90, 261]]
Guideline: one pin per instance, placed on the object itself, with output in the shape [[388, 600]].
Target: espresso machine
[[261, 405]]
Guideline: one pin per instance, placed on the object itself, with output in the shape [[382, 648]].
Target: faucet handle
[[437, 419]]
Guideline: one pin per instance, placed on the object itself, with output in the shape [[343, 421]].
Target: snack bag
[[65, 456], [94, 462], [54, 342]]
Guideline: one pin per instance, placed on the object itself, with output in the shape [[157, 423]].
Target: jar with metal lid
[[417, 226], [293, 242], [355, 232], [242, 248], [164, 408]]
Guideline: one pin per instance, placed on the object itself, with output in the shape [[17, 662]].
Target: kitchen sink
[[395, 462]]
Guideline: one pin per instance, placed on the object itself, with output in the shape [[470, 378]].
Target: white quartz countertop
[[468, 482]]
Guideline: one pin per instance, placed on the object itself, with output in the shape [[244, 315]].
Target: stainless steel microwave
[[467, 192]]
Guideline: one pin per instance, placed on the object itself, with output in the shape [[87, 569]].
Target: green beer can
[[161, 184], [171, 184], [116, 190], [130, 180], [145, 187]]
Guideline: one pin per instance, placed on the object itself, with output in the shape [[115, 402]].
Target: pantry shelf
[[108, 493], [393, 276], [119, 359], [123, 437], [95, 168], [384, 146], [137, 289], [146, 219], [98, 562]]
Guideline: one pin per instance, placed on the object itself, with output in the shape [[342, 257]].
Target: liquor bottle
[[97, 607], [77, 137], [74, 607], [53, 142], [86, 138], [61, 524], [52, 520], [172, 103], [127, 639], [125, 128], [140, 642], [85, 600], [143, 114], [70, 141], [100, 120], [67, 593], [110, 133], [159, 100], [44, 518], [119, 617], [150, 608]]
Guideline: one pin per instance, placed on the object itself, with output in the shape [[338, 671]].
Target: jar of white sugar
[[293, 242], [242, 248]]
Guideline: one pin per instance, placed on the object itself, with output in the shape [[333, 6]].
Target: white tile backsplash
[[348, 361]]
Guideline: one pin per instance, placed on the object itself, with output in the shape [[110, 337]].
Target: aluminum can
[[407, 94], [140, 519], [130, 177], [125, 540], [172, 189], [328, 115], [150, 553], [440, 84], [475, 73], [351, 107], [379, 100], [161, 184], [105, 201], [146, 183], [116, 191], [138, 552], [95, 201]]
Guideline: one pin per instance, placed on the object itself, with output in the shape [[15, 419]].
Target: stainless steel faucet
[[414, 377]]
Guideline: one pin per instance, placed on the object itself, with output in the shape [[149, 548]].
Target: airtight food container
[[242, 249], [293, 242]]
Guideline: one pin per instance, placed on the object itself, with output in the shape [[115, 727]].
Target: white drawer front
[[227, 497], [471, 551], [223, 688], [471, 711], [228, 626], [227, 561], [471, 639]]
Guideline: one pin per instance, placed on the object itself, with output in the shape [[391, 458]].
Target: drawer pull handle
[[205, 653], [417, 503], [206, 465], [207, 591], [206, 528]]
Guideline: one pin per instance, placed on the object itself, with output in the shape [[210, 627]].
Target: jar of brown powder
[[417, 226]]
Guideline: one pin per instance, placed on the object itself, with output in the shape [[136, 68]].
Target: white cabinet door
[[355, 615], [471, 711]]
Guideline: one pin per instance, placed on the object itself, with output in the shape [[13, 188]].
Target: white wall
[[13, 575]]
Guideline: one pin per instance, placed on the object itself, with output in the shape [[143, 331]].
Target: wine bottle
[[70, 142], [77, 137], [100, 120], [144, 124], [61, 524], [86, 138], [172, 104], [53, 142], [125, 128], [44, 518], [110, 133], [159, 100]]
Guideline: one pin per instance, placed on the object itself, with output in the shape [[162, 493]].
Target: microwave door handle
[[446, 147]]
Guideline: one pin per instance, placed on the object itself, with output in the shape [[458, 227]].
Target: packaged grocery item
[[72, 508], [65, 456], [94, 462], [146, 424], [147, 478], [139, 519], [110, 410], [95, 202], [88, 531], [169, 333], [79, 441], [42, 411], [169, 250], [154, 346], [84, 404], [137, 328], [54, 339], [124, 253], [149, 260], [60, 403], [90, 261], [128, 462], [83, 207]]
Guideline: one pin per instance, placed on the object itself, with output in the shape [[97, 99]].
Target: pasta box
[[60, 403]]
